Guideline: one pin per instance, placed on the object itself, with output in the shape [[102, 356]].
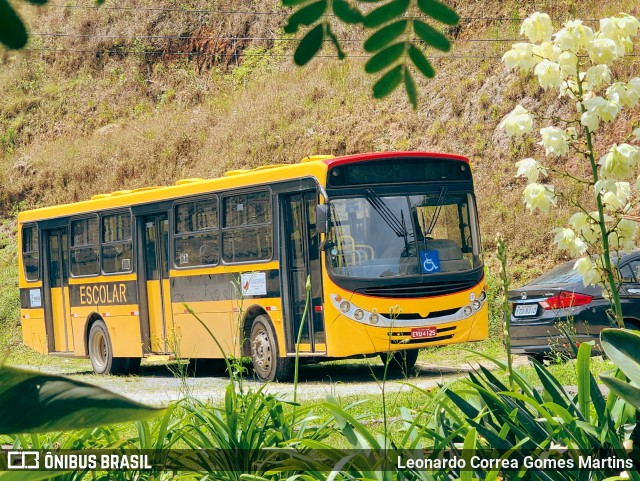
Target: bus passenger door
[[301, 259], [56, 285], [156, 262]]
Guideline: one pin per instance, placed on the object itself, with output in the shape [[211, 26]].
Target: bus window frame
[[101, 243], [173, 222], [71, 247], [271, 224], [23, 252]]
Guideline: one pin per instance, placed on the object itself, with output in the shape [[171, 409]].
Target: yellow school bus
[[389, 241]]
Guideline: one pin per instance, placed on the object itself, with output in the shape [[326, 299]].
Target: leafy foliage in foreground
[[52, 403]]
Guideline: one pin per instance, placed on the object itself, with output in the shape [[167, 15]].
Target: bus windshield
[[375, 236]]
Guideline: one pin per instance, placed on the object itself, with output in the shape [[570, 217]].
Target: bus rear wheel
[[101, 353], [265, 355], [400, 361]]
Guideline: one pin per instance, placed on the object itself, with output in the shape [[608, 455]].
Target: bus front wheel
[[265, 355], [400, 361], [101, 353]]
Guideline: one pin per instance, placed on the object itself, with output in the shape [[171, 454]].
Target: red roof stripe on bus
[[347, 159]]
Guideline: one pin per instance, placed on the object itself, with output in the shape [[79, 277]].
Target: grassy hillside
[[132, 99]]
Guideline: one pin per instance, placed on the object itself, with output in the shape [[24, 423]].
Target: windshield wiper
[[387, 215], [436, 212]]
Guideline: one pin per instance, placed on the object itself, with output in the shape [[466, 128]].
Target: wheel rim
[[99, 350], [261, 352]]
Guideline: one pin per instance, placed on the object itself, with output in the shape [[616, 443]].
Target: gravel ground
[[157, 385]]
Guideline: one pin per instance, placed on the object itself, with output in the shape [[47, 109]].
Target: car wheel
[[400, 361], [265, 355]]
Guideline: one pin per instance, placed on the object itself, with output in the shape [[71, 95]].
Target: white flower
[[538, 196], [636, 134], [530, 168], [602, 51], [568, 62], [619, 161], [569, 88], [537, 27], [567, 240], [590, 120], [548, 74], [555, 141], [517, 122], [616, 198], [588, 271], [620, 30], [602, 108], [585, 226], [547, 50], [520, 56], [573, 36], [621, 93], [596, 76], [623, 236], [633, 87]]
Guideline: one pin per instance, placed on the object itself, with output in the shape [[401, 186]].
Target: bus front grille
[[418, 290]]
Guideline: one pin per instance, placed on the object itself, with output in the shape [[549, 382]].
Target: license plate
[[526, 310], [423, 332]]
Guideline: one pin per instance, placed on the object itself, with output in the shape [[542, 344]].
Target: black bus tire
[[265, 354], [401, 361]]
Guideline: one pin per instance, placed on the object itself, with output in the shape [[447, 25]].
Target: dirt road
[[158, 385]]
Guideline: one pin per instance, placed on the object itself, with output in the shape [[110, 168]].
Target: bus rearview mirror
[[322, 218]]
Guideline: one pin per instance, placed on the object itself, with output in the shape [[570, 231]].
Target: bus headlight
[[345, 306], [482, 296], [373, 318], [358, 314], [476, 305], [467, 310]]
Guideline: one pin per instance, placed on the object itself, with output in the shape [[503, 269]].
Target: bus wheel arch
[[268, 365], [100, 350], [247, 323]]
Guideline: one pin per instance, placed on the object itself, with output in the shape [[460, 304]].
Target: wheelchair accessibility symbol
[[430, 261]]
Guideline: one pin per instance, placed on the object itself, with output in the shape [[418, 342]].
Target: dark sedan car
[[559, 297]]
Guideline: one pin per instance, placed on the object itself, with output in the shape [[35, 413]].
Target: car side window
[[626, 274], [631, 271]]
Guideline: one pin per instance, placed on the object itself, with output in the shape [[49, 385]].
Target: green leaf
[[309, 45], [431, 36], [386, 13], [468, 447], [42, 403], [293, 3], [410, 85], [439, 11], [12, 31], [625, 390], [336, 42], [388, 82], [346, 12], [385, 36], [305, 16], [385, 58], [584, 381], [421, 62], [623, 348]]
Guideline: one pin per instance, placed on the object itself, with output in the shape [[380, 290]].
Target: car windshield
[[563, 274], [373, 236]]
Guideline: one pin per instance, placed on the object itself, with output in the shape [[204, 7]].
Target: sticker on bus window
[[184, 258], [34, 298], [429, 261], [254, 283], [126, 264]]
